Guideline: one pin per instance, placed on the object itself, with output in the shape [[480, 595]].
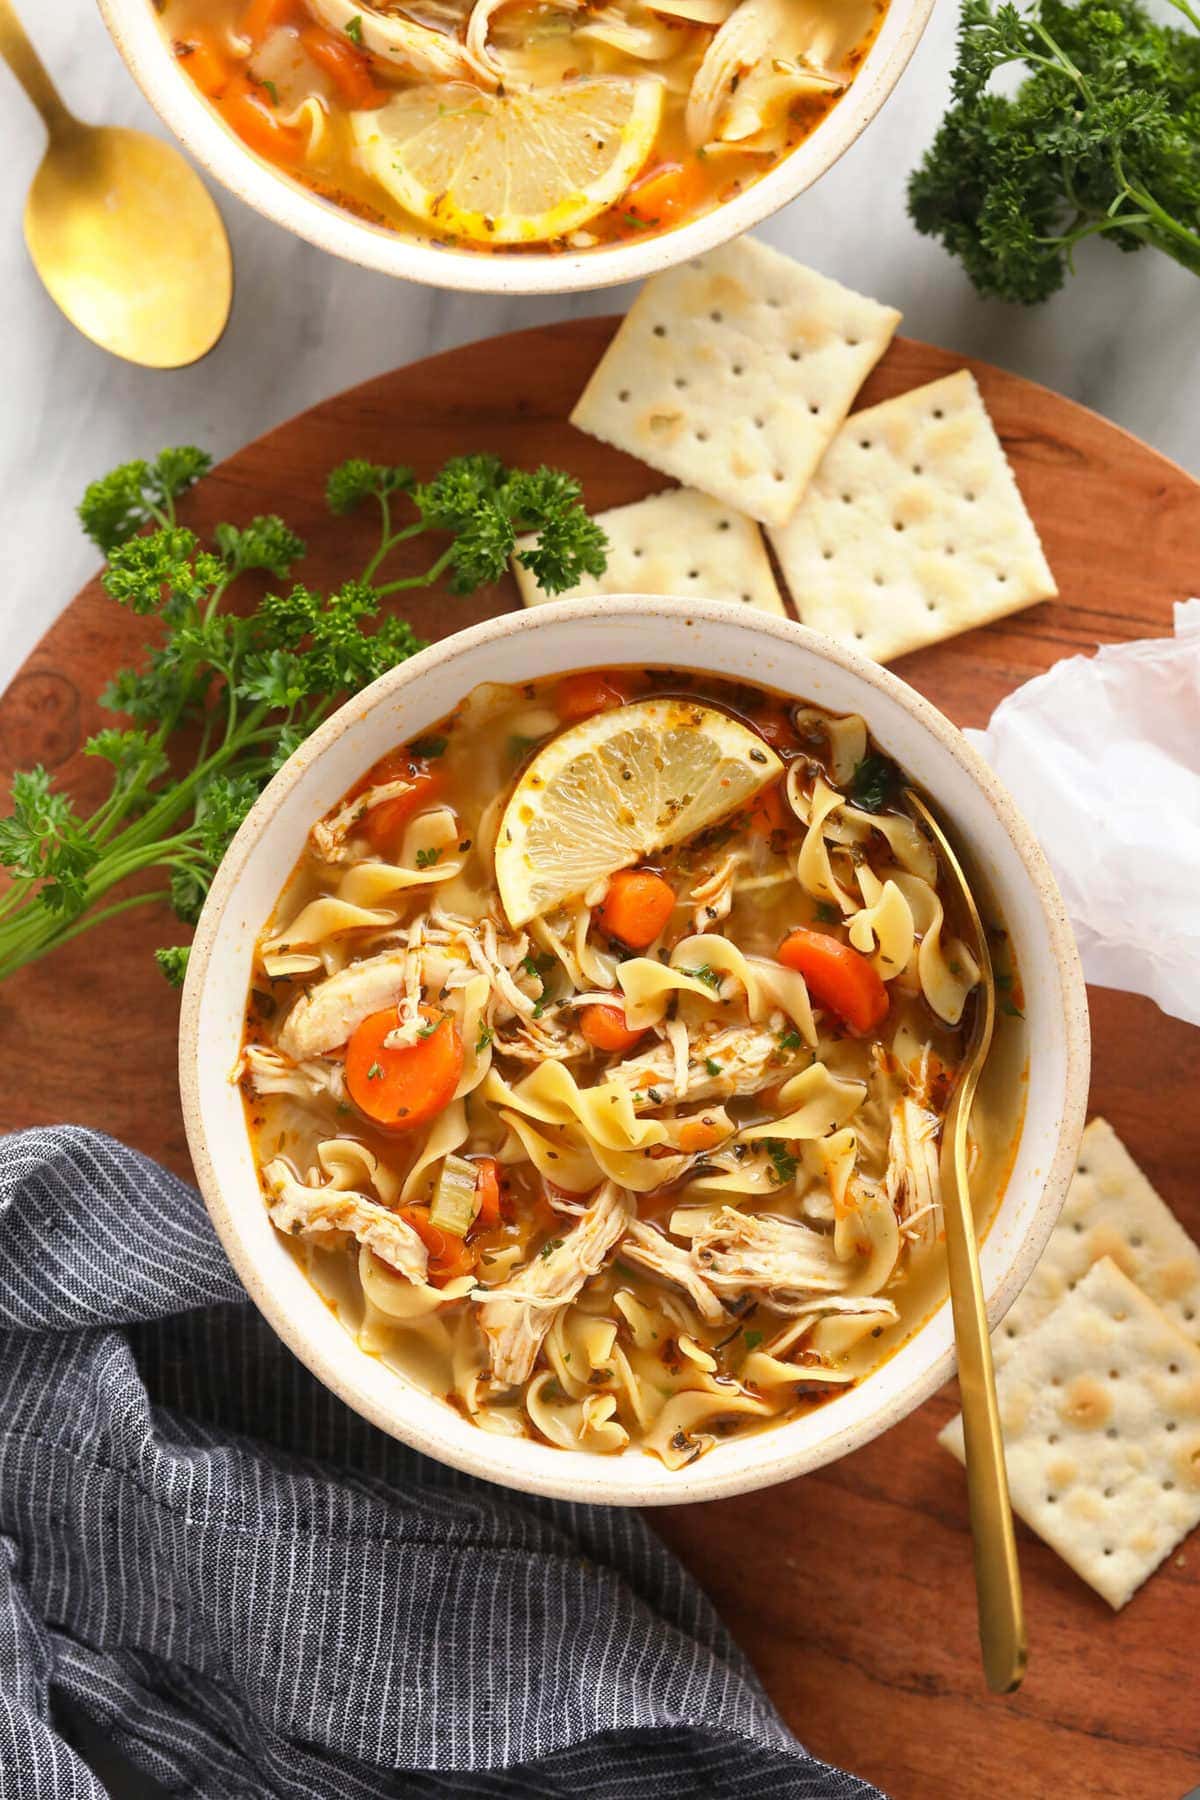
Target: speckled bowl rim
[[143, 46], [695, 1482]]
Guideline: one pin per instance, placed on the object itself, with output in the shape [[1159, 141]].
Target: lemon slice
[[616, 787], [511, 168]]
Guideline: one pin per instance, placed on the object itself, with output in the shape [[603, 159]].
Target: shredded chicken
[[310, 1209], [270, 1072], [323, 1018], [913, 1180], [653, 1250], [778, 1259], [390, 35], [499, 956], [516, 1318], [747, 1058], [533, 1043]]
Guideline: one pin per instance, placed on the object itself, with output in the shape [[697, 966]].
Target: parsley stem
[[431, 574]]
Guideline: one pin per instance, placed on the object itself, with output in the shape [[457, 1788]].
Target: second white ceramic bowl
[[142, 42], [733, 643]]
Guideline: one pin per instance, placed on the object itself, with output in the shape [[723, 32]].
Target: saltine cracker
[[681, 544], [733, 372], [1100, 1410], [913, 528], [1110, 1210]]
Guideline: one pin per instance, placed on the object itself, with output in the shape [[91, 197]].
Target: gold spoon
[[122, 232], [997, 1577]]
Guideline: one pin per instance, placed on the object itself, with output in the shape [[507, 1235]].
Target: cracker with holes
[[913, 528], [1110, 1210], [733, 372], [682, 544], [1100, 1408]]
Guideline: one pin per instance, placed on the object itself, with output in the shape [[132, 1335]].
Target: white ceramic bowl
[[143, 44], [734, 643]]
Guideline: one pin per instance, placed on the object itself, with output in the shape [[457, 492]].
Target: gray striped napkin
[[251, 1592]]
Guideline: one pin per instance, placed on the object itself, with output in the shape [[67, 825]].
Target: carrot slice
[[590, 691], [636, 907], [262, 17], [487, 1189], [604, 1028], [838, 977], [448, 1256], [699, 1134], [205, 61], [664, 195], [350, 69], [247, 108], [405, 1087], [384, 824], [769, 811]]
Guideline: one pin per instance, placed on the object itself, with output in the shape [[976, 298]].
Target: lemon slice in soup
[[617, 787], [518, 168]]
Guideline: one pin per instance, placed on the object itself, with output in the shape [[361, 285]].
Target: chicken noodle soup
[[549, 123], [597, 1054]]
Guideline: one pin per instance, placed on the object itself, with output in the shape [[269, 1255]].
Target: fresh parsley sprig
[[226, 695], [1101, 137]]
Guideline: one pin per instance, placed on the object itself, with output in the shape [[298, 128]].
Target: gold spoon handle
[[997, 1576], [25, 63]]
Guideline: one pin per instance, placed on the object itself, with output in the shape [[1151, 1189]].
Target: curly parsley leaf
[[225, 694], [354, 481], [1101, 136], [172, 959], [137, 494]]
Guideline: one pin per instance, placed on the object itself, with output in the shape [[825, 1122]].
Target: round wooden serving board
[[851, 1589]]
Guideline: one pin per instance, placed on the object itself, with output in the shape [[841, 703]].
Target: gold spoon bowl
[[122, 232]]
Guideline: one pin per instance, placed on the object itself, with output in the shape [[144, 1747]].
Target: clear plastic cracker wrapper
[[1102, 754]]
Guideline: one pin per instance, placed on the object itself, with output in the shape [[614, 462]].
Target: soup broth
[[547, 123], [656, 1161]]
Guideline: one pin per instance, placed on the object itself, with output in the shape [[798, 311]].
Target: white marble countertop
[[1121, 338]]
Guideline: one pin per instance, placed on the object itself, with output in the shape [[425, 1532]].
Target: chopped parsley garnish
[[712, 1065], [375, 1072], [549, 1247], [708, 976], [827, 913], [486, 1034], [783, 1163], [354, 30], [790, 1040], [427, 858], [753, 1339], [874, 783]]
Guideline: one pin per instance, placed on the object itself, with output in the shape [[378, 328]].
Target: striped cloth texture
[[249, 1591]]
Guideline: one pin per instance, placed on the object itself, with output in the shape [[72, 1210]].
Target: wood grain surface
[[850, 1589]]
